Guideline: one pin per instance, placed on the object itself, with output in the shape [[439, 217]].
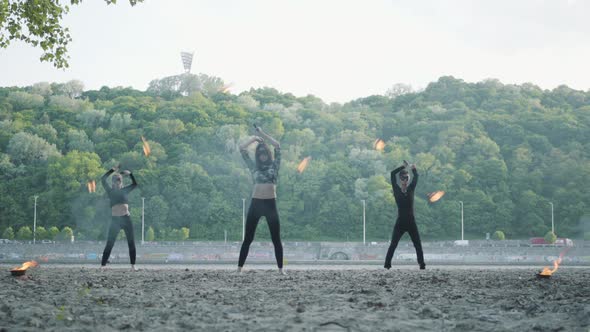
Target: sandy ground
[[161, 298]]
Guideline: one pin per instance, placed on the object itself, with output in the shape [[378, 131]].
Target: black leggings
[[116, 224], [262, 208], [402, 226]]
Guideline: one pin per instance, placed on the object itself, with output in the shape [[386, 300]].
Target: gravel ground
[[162, 298]]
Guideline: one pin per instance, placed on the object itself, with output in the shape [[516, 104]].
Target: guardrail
[[221, 252]]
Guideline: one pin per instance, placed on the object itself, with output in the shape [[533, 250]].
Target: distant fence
[[477, 252]]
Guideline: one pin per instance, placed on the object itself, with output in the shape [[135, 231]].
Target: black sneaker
[[387, 266], [422, 267]]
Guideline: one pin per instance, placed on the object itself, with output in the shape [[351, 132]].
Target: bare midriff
[[120, 210], [264, 191]]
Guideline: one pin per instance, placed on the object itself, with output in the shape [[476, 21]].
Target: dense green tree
[[156, 211], [25, 148], [550, 237], [24, 233], [8, 233], [120, 122], [39, 24], [45, 131], [21, 100], [78, 140], [41, 233], [53, 232], [92, 118], [65, 234], [499, 235], [185, 232], [150, 235], [506, 151]]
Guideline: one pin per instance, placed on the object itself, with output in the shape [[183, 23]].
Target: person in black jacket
[[118, 195], [404, 198]]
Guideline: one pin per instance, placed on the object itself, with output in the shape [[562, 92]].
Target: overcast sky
[[337, 50]]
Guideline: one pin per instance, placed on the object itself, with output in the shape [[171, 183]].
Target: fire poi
[[91, 186], [146, 147], [303, 164], [435, 196], [379, 144]]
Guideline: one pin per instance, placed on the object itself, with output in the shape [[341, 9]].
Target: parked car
[[564, 242]]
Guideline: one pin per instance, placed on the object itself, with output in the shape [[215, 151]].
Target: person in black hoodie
[[406, 222], [118, 195]]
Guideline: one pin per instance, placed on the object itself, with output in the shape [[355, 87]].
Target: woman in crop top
[[265, 171], [120, 213]]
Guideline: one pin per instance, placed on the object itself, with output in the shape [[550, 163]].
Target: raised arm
[[267, 137], [277, 161], [244, 146], [133, 184], [275, 143], [394, 180], [414, 178], [103, 179], [244, 151]]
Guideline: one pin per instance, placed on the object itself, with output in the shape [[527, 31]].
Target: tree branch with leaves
[[39, 24]]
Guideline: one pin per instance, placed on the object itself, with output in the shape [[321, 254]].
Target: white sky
[[338, 50]]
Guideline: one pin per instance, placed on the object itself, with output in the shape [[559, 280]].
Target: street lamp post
[[364, 223], [35, 221], [142, 219], [552, 221], [461, 202], [243, 218]]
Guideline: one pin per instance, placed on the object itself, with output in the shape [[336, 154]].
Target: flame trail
[[91, 186], [303, 164], [379, 144], [146, 147], [547, 271], [25, 266], [226, 88], [435, 196]]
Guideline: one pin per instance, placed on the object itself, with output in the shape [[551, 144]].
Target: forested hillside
[[506, 151]]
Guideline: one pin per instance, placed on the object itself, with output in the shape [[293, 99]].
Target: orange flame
[[379, 144], [146, 147], [91, 186], [547, 272], [25, 266], [226, 88], [303, 164], [435, 196]]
